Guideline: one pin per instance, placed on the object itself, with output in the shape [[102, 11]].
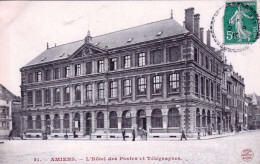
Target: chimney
[[202, 34], [189, 19], [208, 37], [197, 25], [88, 37], [171, 14], [47, 45]]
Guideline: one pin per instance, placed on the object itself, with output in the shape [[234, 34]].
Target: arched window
[[29, 122], [208, 119], [38, 122], [47, 120], [67, 94], [198, 117], [77, 93], [196, 85], [174, 118], [203, 118], [57, 95], [126, 119], [100, 120], [113, 119], [157, 118], [56, 124], [66, 121]]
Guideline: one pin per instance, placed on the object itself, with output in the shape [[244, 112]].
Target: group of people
[[143, 134]]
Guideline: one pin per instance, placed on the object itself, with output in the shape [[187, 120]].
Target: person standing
[[183, 135], [133, 134], [123, 134], [11, 134]]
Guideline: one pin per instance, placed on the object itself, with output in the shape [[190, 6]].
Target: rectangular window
[[30, 97], [141, 59], [196, 85], [56, 73], [30, 78], [157, 57], [201, 59], [67, 71], [47, 75], [218, 93], [47, 96], [66, 93], [89, 92], [77, 69], [88, 67], [211, 65], [157, 84], [38, 76], [207, 62], [207, 88], [196, 55], [100, 90], [127, 85], [38, 97], [217, 71], [127, 61], [141, 83], [101, 66], [174, 53], [202, 86], [174, 82], [113, 64], [113, 89]]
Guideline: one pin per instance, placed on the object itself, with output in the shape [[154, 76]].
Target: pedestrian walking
[[133, 134], [123, 134], [183, 135], [11, 134]]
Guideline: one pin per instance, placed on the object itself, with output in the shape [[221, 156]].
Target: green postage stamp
[[240, 22]]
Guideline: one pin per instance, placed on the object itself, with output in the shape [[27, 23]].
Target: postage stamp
[[240, 22]]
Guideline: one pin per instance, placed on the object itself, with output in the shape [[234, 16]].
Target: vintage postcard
[[129, 82]]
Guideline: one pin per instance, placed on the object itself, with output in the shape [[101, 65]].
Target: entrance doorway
[[88, 123], [141, 120]]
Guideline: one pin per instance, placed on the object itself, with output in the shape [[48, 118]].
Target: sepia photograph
[[129, 82]]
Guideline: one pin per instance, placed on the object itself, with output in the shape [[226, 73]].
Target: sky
[[26, 27]]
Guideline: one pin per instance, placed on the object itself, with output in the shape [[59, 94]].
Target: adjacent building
[[254, 112], [8, 103], [159, 76]]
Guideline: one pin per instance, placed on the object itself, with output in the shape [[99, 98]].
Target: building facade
[[160, 77], [254, 111], [8, 104]]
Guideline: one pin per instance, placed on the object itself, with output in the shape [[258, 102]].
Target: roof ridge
[[65, 44], [132, 27]]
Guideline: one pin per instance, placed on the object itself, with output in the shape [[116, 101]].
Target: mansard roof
[[130, 36]]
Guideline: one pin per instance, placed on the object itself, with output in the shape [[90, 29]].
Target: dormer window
[[97, 44], [43, 59], [129, 40], [159, 33]]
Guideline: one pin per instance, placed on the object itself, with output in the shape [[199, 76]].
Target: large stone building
[[8, 104], [160, 76], [254, 112]]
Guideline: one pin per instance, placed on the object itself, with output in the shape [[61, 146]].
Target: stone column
[[133, 118], [119, 90], [133, 89], [119, 120], [61, 121], [34, 122], [148, 57], [164, 54], [94, 92], [83, 68], [42, 122], [93, 123], [71, 122], [165, 117], [82, 93], [148, 112], [72, 70], [165, 93], [71, 94], [149, 87], [106, 64], [82, 129], [52, 122], [106, 121], [52, 97], [61, 96], [133, 57], [106, 91], [25, 123], [34, 98], [43, 97]]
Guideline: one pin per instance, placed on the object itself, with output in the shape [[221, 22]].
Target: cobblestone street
[[218, 150]]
